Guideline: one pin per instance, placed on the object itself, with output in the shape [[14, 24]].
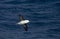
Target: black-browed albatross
[[23, 22]]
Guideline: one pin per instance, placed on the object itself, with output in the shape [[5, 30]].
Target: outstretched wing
[[25, 27], [21, 17]]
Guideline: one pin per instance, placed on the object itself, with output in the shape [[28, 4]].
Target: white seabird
[[23, 22]]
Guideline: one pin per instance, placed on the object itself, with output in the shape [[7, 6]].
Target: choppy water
[[44, 16]]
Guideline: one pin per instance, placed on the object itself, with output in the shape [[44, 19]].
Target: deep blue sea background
[[44, 16]]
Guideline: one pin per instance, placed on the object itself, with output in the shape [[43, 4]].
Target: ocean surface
[[44, 16]]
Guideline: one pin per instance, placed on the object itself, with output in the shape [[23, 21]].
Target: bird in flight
[[23, 22]]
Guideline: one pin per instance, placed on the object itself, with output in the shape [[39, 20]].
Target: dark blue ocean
[[44, 16]]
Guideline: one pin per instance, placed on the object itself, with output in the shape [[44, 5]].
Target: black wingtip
[[26, 29]]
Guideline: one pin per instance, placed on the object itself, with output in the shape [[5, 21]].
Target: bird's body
[[23, 22]]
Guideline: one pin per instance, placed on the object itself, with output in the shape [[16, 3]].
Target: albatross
[[23, 22]]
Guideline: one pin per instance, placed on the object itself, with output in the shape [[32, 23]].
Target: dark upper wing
[[21, 17], [25, 27]]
